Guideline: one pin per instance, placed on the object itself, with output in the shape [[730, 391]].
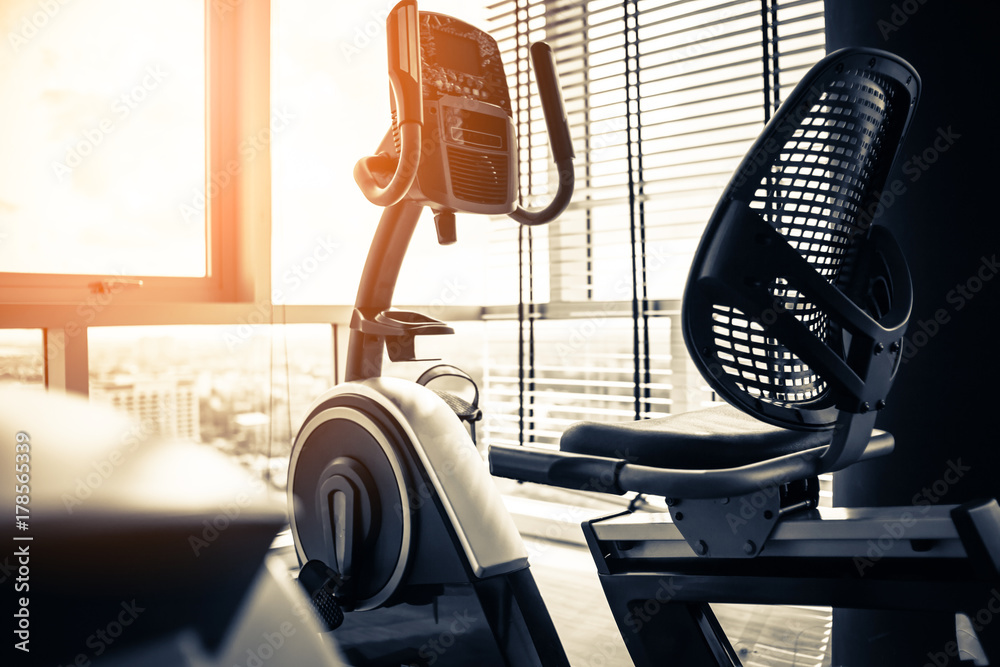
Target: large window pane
[[329, 70], [102, 136], [242, 389], [22, 358]]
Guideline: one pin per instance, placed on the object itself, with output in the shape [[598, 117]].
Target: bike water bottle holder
[[398, 328]]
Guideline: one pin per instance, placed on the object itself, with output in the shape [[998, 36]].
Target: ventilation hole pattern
[[812, 195], [477, 176]]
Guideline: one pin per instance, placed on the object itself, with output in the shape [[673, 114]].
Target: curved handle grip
[[370, 172], [559, 139], [552, 102], [403, 38]]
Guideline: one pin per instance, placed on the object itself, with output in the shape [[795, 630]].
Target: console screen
[[459, 54]]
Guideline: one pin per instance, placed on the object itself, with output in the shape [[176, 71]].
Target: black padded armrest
[[545, 466]]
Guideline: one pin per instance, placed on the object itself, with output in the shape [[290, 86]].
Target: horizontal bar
[[820, 533], [76, 316]]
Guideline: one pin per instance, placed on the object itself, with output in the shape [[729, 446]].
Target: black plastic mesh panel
[[812, 194], [477, 176]]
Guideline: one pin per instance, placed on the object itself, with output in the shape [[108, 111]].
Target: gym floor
[[763, 636], [549, 520]]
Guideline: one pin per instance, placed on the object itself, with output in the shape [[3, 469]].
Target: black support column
[[940, 202]]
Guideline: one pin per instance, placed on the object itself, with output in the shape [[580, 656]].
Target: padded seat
[[716, 437]]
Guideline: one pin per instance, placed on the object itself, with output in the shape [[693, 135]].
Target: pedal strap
[[465, 410]]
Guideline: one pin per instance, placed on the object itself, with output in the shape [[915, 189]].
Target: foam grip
[[563, 469], [403, 32], [552, 102], [374, 171]]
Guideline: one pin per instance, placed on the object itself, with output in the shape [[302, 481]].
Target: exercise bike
[[394, 516], [794, 312]]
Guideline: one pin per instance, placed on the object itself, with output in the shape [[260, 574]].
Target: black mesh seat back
[[814, 176]]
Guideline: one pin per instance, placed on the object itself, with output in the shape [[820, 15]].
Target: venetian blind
[[663, 100]]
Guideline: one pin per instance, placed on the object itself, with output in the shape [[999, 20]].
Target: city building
[[167, 406]]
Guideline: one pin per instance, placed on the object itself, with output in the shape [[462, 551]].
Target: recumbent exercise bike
[[794, 312]]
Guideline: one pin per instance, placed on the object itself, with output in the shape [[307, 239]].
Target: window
[[103, 136], [664, 99], [109, 185]]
